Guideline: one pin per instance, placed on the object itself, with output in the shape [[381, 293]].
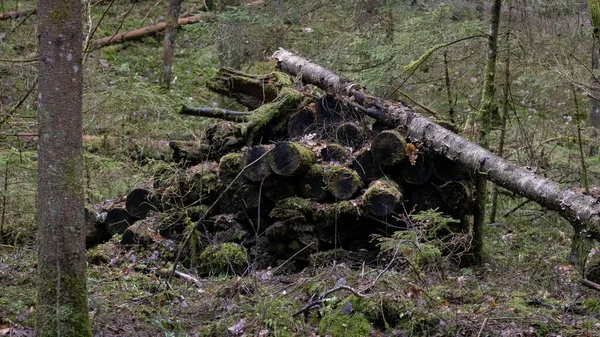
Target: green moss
[[342, 182], [291, 208], [223, 258], [70, 313], [336, 323]]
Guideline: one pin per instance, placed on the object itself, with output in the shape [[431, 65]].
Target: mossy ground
[[530, 291]]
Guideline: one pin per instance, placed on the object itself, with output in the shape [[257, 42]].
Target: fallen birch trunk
[[582, 211]]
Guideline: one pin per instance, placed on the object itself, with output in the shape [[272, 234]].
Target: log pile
[[297, 174]]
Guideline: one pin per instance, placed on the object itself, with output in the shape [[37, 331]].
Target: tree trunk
[[488, 112], [594, 8], [169, 42], [62, 307], [582, 211]]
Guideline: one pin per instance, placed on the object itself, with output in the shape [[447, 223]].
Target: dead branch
[[145, 31]]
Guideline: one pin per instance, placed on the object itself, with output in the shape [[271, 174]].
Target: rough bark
[[169, 42], [62, 308], [582, 211]]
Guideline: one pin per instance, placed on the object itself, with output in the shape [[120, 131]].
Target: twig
[[291, 257], [420, 105], [321, 299], [212, 112], [590, 284], [485, 320], [203, 217], [88, 38]]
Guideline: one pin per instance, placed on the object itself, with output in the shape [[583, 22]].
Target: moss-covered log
[[389, 148], [230, 166], [256, 162], [334, 153], [382, 197], [251, 91], [291, 159], [313, 184], [199, 184], [342, 182]]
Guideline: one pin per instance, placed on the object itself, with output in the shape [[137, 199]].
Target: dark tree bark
[[582, 211], [365, 165], [62, 307], [169, 42]]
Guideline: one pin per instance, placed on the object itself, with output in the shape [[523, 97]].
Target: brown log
[[259, 169], [145, 31], [350, 134], [582, 211], [290, 159], [334, 153], [342, 182], [389, 148], [381, 198]]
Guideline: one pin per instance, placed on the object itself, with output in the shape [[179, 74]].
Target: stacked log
[[294, 176]]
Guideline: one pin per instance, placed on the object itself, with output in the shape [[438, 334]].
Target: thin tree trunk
[[581, 210], [488, 110], [62, 308], [169, 42], [594, 8], [505, 111]]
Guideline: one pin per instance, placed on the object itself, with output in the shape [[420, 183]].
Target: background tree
[[594, 8], [62, 308], [488, 111], [169, 42]]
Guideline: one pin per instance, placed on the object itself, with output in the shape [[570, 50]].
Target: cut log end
[[389, 148], [381, 197], [291, 159], [342, 182]]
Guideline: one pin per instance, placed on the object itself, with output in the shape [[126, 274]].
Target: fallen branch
[[145, 31], [321, 299], [212, 112], [590, 284]]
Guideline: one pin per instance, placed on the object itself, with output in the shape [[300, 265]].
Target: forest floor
[[524, 288]]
